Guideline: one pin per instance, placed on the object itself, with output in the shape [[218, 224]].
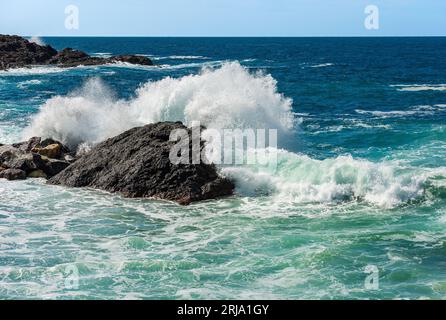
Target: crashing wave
[[230, 97], [227, 97]]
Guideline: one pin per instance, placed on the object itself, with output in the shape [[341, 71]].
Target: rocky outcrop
[[72, 58], [35, 158], [16, 52], [142, 60], [136, 164]]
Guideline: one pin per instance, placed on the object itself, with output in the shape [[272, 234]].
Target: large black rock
[[137, 165], [16, 52]]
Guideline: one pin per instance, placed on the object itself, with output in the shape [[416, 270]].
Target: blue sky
[[223, 17]]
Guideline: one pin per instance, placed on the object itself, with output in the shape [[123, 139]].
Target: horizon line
[[234, 36]]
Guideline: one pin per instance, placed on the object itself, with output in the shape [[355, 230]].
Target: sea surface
[[359, 191]]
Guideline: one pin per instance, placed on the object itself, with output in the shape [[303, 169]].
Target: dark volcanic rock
[[72, 58], [27, 145], [136, 164], [133, 60], [18, 52]]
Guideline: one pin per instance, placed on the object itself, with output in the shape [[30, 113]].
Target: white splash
[[226, 97], [37, 40], [301, 179]]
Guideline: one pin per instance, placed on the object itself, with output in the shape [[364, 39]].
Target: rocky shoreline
[[35, 158], [135, 164], [18, 52]]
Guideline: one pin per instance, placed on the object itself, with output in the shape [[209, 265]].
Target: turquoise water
[[360, 181]]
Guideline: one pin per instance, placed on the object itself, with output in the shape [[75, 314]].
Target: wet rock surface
[[18, 52], [35, 158], [136, 164]]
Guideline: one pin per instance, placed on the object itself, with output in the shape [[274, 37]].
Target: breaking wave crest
[[227, 97], [301, 179], [37, 40]]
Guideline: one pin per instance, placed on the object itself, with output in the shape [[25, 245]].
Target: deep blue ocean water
[[361, 178]]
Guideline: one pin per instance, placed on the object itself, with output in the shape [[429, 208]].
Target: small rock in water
[[36, 158], [133, 59]]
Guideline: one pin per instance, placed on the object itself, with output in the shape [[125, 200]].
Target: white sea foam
[[37, 40], [322, 65], [121, 64], [301, 179], [420, 87], [179, 57], [227, 97], [9, 133], [342, 127], [416, 110], [36, 70], [317, 65], [164, 67], [102, 54], [25, 84], [216, 63], [387, 114]]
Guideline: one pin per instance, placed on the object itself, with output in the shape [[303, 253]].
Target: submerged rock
[[137, 165], [16, 52]]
